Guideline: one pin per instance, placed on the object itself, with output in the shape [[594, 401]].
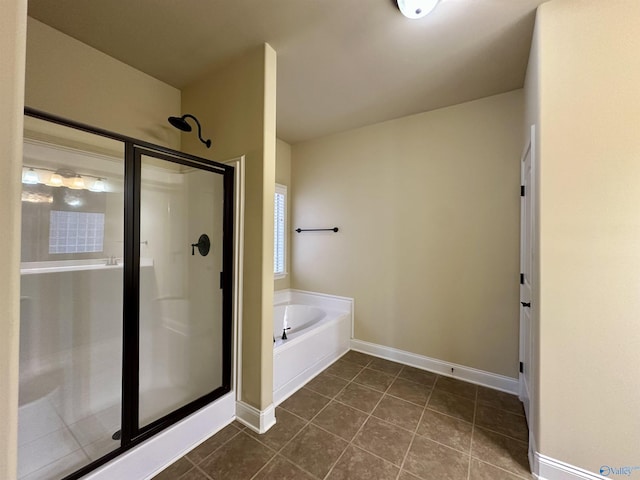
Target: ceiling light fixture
[[181, 124], [417, 8]]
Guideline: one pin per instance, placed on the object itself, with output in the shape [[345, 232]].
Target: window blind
[[279, 240]]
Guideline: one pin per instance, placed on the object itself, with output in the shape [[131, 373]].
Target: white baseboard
[[479, 377], [154, 455], [544, 468], [532, 454], [547, 468], [552, 469], [257, 420]]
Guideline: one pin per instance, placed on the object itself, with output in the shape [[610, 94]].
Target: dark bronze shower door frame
[[131, 433]]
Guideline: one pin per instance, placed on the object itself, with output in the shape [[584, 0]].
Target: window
[[280, 229]]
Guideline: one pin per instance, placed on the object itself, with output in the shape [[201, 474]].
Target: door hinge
[[522, 279], [522, 190], [521, 367], [221, 279]]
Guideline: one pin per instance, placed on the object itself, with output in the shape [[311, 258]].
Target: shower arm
[[206, 142]]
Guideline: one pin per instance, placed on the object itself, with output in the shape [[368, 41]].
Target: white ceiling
[[341, 63]]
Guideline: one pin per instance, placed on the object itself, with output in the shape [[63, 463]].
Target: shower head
[[181, 124]]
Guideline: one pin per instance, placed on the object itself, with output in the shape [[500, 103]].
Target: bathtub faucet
[[284, 333]]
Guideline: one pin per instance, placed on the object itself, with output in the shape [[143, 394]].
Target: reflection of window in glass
[[280, 222], [59, 223], [76, 232]]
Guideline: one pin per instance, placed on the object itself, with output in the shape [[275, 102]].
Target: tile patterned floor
[[368, 418]]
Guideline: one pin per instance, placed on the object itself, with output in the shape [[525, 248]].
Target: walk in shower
[[125, 293]]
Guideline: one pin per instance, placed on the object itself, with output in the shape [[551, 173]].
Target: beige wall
[[236, 106], [68, 78], [428, 210], [589, 117], [283, 177], [13, 24], [73, 80]]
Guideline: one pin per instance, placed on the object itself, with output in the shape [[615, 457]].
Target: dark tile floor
[[368, 418]]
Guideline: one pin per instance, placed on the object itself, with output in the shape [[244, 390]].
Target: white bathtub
[[319, 333], [296, 319]]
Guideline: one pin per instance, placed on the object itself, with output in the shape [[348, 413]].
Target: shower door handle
[[204, 245]]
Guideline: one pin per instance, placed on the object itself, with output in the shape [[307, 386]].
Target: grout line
[[503, 434], [369, 415], [207, 476], [473, 426], [275, 452], [339, 391], [257, 439], [361, 426], [448, 447], [415, 432], [197, 467], [282, 448], [504, 470], [449, 415], [294, 414], [408, 401], [306, 424], [485, 403], [404, 459], [263, 467], [215, 449]]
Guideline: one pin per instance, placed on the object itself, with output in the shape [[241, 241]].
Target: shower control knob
[[203, 245]]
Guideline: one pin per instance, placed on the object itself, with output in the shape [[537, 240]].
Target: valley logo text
[[606, 470]]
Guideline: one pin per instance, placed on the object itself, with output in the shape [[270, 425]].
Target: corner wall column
[[13, 41]]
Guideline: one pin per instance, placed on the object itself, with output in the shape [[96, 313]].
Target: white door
[[527, 216]]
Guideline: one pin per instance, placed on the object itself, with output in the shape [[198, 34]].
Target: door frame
[[131, 430], [238, 268], [529, 280]]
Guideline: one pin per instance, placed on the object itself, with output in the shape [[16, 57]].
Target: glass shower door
[[126, 274], [71, 299], [181, 347]]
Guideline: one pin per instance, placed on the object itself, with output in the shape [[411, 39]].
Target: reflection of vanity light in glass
[[55, 180], [98, 186], [30, 177], [63, 178], [76, 183]]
